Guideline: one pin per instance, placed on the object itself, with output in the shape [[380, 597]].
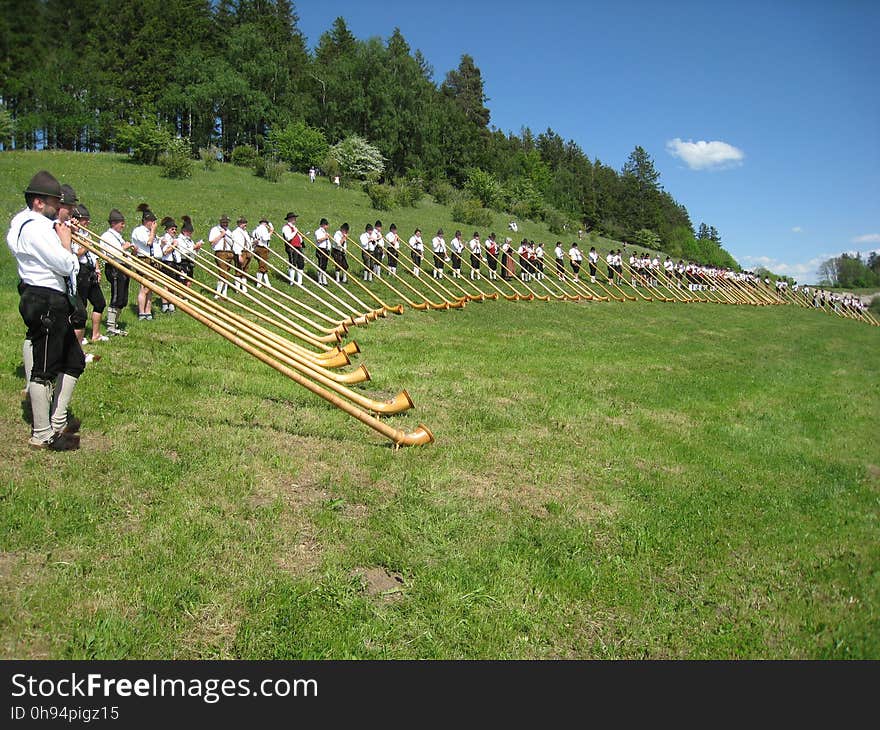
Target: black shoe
[[73, 424]]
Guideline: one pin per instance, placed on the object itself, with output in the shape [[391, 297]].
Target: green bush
[[408, 193], [469, 210], [176, 161], [145, 141], [299, 145], [443, 192], [270, 168], [484, 187], [381, 196], [558, 222], [244, 156], [209, 157]]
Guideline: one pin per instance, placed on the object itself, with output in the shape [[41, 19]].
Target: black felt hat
[[44, 183]]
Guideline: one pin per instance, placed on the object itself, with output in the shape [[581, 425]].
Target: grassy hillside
[[614, 480]]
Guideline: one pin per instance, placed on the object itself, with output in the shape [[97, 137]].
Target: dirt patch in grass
[[380, 583], [211, 633]]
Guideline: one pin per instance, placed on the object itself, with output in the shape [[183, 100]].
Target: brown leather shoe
[[58, 442]]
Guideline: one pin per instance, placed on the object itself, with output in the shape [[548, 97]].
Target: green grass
[[635, 480]]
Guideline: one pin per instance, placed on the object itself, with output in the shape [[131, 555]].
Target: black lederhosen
[[592, 269], [392, 254], [367, 259], [575, 266], [416, 259], [492, 260], [322, 257], [340, 259], [560, 266], [187, 268], [89, 290], [456, 260], [118, 286], [475, 262], [47, 313], [295, 256]]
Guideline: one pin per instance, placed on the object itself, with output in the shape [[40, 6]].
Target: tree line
[[850, 270], [236, 79]]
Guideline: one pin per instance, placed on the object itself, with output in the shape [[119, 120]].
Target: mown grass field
[[609, 480]]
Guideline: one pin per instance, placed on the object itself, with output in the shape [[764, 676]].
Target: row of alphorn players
[[236, 247]]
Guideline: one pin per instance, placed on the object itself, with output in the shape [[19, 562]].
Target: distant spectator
[[312, 173], [336, 180]]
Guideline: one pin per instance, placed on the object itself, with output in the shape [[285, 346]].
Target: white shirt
[[575, 254], [113, 239], [475, 247], [558, 252], [42, 259], [594, 256], [415, 243], [366, 241], [339, 241], [322, 238], [668, 265], [140, 237], [456, 245], [225, 242], [438, 244], [241, 241], [392, 239], [186, 248], [164, 242], [539, 251], [262, 235]]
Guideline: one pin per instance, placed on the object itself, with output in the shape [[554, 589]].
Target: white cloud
[[704, 155], [804, 271], [797, 229], [867, 238]]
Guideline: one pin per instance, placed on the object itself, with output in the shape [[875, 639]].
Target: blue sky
[[763, 118]]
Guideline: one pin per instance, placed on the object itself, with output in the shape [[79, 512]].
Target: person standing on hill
[[367, 248], [322, 249], [166, 252], [47, 269], [492, 256], [539, 260], [392, 248], [575, 257], [293, 242], [119, 280], [220, 239], [476, 250], [187, 248], [143, 237], [456, 246], [593, 256], [339, 251], [559, 258], [438, 246], [417, 250], [262, 238], [312, 173], [378, 249], [88, 281], [241, 245]]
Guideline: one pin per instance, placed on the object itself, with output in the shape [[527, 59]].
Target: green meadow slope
[[609, 480]]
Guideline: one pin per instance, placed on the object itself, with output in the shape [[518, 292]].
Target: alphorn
[[168, 278], [294, 371], [205, 262], [280, 321]]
